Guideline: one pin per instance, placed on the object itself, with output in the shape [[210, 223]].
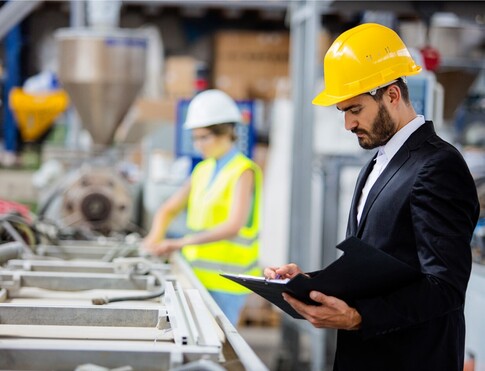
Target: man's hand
[[332, 313], [285, 271]]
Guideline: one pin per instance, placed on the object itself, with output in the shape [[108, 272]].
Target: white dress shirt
[[384, 155]]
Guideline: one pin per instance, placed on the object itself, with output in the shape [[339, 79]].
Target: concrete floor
[[265, 341]]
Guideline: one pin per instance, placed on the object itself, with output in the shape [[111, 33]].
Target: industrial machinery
[[35, 113], [96, 306], [91, 200], [96, 302], [102, 71]]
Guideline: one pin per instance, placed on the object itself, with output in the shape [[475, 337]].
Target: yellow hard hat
[[361, 59]]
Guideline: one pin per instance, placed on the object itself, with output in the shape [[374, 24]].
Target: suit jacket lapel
[[404, 153], [352, 223], [391, 169]]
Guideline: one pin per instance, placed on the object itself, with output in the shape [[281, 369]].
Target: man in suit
[[415, 200]]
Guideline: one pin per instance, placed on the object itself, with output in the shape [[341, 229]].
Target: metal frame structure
[[304, 24], [327, 171], [48, 320]]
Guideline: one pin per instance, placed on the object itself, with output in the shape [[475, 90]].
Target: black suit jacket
[[422, 209]]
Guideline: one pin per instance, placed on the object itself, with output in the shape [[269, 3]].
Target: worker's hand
[[168, 246], [332, 313], [285, 271], [148, 244]]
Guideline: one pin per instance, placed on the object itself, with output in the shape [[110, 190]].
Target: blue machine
[[421, 93], [245, 131], [13, 48]]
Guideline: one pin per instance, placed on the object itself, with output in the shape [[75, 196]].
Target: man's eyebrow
[[349, 107]]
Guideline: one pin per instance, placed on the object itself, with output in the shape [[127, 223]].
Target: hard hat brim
[[323, 99]]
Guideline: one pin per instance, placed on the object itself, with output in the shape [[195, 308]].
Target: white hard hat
[[211, 107]]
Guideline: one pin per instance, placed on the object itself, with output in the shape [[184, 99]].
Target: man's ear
[[393, 94]]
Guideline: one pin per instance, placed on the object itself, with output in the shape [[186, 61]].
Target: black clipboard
[[362, 271], [271, 290]]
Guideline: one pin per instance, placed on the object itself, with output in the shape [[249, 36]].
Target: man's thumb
[[317, 296]]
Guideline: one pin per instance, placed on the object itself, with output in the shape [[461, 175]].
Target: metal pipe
[[14, 12], [10, 250], [78, 13]]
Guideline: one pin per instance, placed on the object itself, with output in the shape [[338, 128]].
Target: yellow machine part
[[35, 113]]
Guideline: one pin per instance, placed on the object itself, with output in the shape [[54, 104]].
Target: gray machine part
[[93, 198], [48, 321], [97, 198]]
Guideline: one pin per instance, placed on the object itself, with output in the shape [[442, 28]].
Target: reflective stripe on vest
[[221, 267], [240, 240], [209, 206], [214, 282]]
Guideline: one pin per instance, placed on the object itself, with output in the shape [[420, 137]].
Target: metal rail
[[13, 12], [45, 324]]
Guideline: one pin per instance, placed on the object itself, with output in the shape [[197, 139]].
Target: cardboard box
[[236, 86], [180, 77], [155, 110], [248, 64], [145, 116]]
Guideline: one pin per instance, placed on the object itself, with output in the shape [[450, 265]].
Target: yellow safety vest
[[209, 206]]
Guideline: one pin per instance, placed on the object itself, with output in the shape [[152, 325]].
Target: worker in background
[[415, 200], [222, 198]]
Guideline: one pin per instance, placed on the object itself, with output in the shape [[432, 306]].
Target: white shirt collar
[[398, 139]]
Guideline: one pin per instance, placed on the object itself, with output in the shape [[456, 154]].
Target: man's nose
[[350, 122]]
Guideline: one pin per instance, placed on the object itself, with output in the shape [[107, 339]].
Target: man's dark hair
[[400, 84]]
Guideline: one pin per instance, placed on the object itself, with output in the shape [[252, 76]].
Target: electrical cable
[[19, 230], [153, 295]]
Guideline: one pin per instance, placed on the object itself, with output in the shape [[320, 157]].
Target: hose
[[19, 230], [152, 295]]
